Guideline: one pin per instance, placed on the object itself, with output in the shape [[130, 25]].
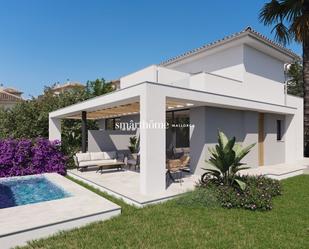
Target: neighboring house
[[9, 97], [115, 84], [236, 84], [68, 86]]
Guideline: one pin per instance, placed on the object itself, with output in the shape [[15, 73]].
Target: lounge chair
[[177, 166]]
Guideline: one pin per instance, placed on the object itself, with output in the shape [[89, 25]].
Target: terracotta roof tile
[[247, 30]]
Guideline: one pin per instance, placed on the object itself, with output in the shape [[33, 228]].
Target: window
[[279, 130]]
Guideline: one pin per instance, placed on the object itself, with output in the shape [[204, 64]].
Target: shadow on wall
[[109, 140], [241, 124], [260, 64], [228, 63]]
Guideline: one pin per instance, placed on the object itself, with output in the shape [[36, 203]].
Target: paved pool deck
[[27, 222], [125, 185]]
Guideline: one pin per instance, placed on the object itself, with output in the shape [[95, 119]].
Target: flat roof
[[132, 94]]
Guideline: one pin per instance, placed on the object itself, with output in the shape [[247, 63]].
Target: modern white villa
[[236, 84]]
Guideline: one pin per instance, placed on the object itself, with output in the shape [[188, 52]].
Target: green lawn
[[171, 225]]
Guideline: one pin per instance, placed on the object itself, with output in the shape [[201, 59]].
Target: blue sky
[[42, 42]]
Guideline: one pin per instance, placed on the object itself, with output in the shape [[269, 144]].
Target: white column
[[54, 129], [294, 131], [197, 139], [152, 141]]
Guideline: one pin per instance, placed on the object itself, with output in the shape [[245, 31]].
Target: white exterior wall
[[172, 77], [241, 124], [228, 63], [244, 126], [294, 140], [156, 74], [54, 131], [240, 71], [274, 151], [264, 77], [214, 84], [145, 74], [207, 120]]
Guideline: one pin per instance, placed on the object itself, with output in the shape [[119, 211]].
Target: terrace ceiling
[[127, 109]]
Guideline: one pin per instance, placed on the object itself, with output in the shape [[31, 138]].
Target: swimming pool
[[17, 191]]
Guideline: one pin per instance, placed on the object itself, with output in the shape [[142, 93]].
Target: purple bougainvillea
[[25, 157]]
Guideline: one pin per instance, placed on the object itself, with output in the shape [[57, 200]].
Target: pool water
[[29, 189]]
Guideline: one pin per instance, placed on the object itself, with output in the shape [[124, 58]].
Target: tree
[[291, 22], [295, 80], [29, 119], [98, 87]]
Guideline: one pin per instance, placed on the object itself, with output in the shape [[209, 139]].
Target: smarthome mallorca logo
[[132, 125]]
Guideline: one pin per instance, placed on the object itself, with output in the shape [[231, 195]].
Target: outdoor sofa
[[102, 160]]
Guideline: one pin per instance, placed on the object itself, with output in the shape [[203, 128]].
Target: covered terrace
[[151, 101]]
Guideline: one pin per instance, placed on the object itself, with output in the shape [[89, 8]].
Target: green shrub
[[225, 159], [200, 197], [257, 195]]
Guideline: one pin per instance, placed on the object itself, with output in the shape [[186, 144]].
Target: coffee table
[[118, 165]]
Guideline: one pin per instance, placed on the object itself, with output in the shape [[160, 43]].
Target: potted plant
[[134, 146]]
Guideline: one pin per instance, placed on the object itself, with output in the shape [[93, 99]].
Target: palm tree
[[291, 23]]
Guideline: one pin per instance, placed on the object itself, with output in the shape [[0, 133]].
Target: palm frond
[[271, 13], [282, 34], [291, 9], [289, 18]]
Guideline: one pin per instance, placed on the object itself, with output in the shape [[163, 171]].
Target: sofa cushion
[[97, 156], [97, 162], [81, 157], [110, 155]]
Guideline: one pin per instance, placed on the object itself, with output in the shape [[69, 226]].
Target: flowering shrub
[[257, 195], [25, 157]]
